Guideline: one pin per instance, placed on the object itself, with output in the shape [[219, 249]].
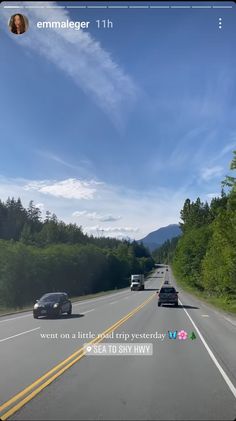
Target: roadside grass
[[4, 311], [222, 303], [11, 310]]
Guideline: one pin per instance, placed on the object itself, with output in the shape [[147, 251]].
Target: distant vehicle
[[168, 295], [52, 304], [137, 282], [166, 282]]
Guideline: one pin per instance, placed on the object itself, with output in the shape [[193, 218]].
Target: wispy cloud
[[113, 230], [96, 216], [228, 148], [68, 189], [212, 172], [183, 152], [82, 58], [84, 167], [53, 157]]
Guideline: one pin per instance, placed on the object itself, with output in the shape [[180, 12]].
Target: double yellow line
[[32, 390]]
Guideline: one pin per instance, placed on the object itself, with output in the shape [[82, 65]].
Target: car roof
[[54, 293]]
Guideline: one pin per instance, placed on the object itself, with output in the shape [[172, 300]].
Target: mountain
[[158, 237]]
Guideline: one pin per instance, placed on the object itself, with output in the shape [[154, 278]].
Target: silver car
[[168, 295]]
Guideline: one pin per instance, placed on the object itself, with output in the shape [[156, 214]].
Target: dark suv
[[53, 304], [168, 295]]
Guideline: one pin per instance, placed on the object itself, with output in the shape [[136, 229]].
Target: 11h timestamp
[[104, 24]]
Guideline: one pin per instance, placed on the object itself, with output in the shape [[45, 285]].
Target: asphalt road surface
[[45, 374]]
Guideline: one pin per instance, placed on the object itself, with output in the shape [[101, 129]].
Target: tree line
[[204, 256], [40, 255], [165, 252]]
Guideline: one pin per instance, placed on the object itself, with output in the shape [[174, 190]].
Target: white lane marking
[[19, 334], [222, 372], [204, 315], [113, 302], [89, 311], [15, 318], [230, 321]]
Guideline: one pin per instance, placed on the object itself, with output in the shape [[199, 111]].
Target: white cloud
[[68, 189], [142, 211], [109, 218], [113, 230], [79, 213], [81, 57], [96, 216], [212, 172], [40, 206]]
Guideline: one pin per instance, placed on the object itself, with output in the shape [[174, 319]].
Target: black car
[[53, 304], [168, 295]]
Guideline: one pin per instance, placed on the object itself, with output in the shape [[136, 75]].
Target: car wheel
[[70, 311], [176, 304], [60, 312], [35, 317], [159, 304]]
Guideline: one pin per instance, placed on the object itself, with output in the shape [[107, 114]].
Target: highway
[[45, 374]]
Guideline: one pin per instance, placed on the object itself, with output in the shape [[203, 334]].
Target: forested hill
[[204, 257], [157, 238], [40, 255]]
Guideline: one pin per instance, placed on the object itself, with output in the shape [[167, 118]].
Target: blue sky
[[115, 128]]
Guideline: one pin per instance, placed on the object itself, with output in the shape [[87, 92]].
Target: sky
[[113, 128]]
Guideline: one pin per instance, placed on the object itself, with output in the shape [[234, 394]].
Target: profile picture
[[18, 24]]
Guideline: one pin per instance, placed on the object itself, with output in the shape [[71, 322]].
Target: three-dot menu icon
[[220, 23]]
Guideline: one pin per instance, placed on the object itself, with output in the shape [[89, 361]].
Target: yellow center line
[[59, 369]]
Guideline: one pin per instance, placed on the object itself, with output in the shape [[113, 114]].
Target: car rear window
[[167, 290]]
